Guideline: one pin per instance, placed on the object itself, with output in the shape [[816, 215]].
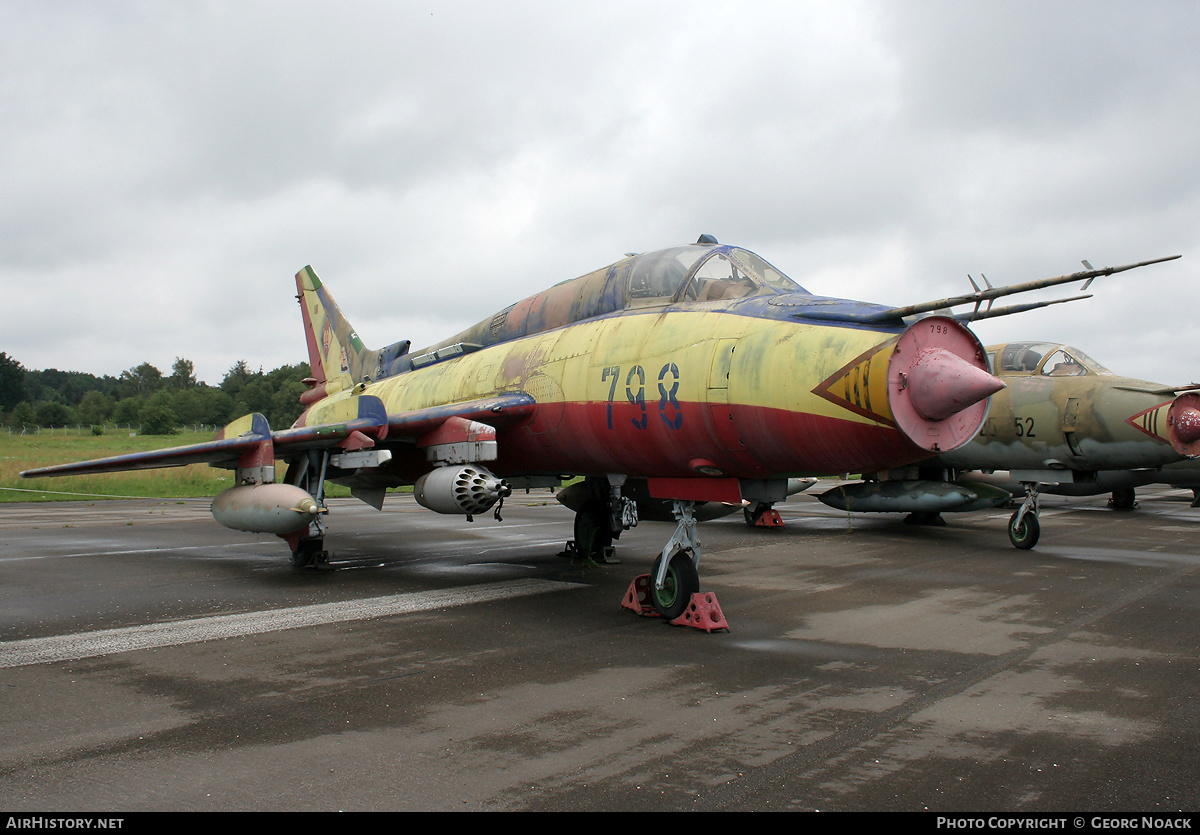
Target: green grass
[[27, 452]]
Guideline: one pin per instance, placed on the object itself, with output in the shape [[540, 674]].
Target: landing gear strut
[[1024, 528], [674, 578], [308, 545]]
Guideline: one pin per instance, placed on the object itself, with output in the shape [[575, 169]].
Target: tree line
[[143, 396]]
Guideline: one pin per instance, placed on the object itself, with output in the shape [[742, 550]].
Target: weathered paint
[[666, 388], [1095, 420], [638, 401], [695, 365]]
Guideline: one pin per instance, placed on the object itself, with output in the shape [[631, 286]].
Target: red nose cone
[[1187, 424], [942, 384], [1183, 421]]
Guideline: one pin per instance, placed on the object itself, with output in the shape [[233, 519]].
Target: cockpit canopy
[[701, 273], [682, 275], [1048, 359]]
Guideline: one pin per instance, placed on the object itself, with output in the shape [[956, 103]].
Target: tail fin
[[336, 355]]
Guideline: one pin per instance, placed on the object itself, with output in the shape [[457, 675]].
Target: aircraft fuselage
[[1070, 413], [668, 393]]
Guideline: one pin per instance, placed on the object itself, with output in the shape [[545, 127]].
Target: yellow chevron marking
[[1153, 421], [861, 384]]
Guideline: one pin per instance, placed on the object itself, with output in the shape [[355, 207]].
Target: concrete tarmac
[[153, 660]]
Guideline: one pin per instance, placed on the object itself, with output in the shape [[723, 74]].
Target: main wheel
[[592, 534], [931, 518], [1025, 535], [681, 582], [310, 553], [1123, 499], [754, 512]]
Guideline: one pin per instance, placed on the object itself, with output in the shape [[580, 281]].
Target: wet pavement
[[153, 660]]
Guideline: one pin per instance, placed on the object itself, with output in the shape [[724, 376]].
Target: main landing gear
[[593, 533], [762, 515], [1123, 498], [308, 545], [309, 553], [1024, 528], [602, 518], [928, 518]]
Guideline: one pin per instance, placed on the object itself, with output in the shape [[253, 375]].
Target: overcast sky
[[168, 167]]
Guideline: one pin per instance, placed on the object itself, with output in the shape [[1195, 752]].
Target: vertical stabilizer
[[335, 353]]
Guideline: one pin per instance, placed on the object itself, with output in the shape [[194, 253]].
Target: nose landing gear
[[1024, 528], [675, 578]]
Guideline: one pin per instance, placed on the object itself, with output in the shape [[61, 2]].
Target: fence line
[[86, 429]]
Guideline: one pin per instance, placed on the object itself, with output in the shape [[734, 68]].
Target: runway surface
[[153, 660]]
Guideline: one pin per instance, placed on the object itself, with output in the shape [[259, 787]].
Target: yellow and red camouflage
[[699, 373]]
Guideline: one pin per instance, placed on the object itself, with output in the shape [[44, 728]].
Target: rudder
[[335, 353]]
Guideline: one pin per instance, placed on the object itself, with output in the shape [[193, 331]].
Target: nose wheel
[[1024, 533], [1024, 528], [680, 581], [675, 576]]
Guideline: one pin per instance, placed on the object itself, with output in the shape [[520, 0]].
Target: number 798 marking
[[635, 392]]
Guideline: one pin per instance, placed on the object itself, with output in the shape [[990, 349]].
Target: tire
[[1123, 499], [310, 553], [681, 582], [754, 512], [928, 518], [1026, 535], [592, 535]]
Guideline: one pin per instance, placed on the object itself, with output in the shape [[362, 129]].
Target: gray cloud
[[168, 167]]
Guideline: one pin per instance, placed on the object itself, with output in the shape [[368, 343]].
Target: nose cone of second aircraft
[[1184, 422]]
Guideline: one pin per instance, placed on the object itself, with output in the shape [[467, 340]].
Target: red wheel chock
[[703, 612], [637, 598], [769, 519]]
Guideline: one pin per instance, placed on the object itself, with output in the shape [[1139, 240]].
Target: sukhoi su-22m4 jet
[[694, 374]]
